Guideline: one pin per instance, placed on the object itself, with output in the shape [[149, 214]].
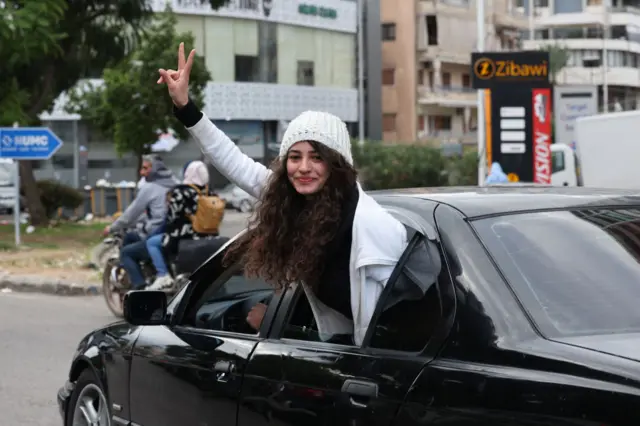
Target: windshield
[[576, 272]]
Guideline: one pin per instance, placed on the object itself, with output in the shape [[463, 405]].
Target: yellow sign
[[484, 68], [513, 177], [490, 69]]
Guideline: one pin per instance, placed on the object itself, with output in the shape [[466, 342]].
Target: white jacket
[[378, 239]]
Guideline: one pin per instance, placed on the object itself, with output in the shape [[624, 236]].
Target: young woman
[[314, 225], [183, 202]]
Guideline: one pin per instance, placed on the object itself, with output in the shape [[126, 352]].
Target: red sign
[[541, 136]]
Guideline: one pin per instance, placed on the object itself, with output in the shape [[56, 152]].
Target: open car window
[[407, 310]]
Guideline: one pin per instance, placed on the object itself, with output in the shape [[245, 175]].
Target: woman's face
[[306, 170]]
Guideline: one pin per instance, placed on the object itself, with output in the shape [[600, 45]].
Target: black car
[[511, 306]]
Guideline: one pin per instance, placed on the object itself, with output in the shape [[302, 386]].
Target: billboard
[[571, 103], [519, 132], [523, 68]]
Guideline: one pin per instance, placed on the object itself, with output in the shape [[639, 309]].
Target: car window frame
[[429, 351], [201, 284]]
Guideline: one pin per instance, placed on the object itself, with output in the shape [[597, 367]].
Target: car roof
[[475, 201]]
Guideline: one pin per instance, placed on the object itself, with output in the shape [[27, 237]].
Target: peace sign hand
[[178, 81]]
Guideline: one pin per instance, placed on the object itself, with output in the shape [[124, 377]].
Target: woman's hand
[[178, 81], [256, 314]]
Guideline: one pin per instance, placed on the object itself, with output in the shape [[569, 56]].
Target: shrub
[[463, 170], [55, 195], [399, 166]]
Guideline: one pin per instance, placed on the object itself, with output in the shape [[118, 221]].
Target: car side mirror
[[145, 307]]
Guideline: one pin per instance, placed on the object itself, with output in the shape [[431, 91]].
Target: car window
[[412, 307], [577, 272], [227, 301], [409, 307], [557, 161]]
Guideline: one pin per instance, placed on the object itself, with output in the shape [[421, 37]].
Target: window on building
[[440, 123], [466, 80], [388, 32], [388, 122], [431, 79], [246, 68], [388, 76], [446, 79], [432, 30], [306, 76], [420, 77]]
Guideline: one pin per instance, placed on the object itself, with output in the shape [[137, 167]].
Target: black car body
[[530, 316]]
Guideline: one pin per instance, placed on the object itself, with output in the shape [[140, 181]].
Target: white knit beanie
[[320, 127]]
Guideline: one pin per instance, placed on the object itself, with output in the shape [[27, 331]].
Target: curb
[[27, 284]]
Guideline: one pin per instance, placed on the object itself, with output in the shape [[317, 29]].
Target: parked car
[[238, 198], [513, 306]]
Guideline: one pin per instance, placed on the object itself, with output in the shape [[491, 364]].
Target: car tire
[[88, 401]]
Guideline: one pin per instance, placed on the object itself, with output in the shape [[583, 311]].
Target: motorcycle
[[115, 280]]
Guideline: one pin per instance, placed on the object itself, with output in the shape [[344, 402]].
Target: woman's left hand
[[256, 314]]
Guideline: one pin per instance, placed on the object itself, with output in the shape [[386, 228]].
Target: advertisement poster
[[541, 136], [569, 104], [519, 134]]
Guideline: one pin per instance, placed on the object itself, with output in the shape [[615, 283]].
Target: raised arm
[[222, 152]]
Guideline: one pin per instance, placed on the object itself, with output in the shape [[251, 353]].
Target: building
[[426, 54], [269, 60], [579, 26]]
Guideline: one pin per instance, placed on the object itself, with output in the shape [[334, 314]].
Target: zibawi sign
[[541, 136]]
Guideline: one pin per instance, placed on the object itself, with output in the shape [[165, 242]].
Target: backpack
[[209, 212]]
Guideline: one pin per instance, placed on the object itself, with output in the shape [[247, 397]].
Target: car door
[[335, 382], [190, 373]]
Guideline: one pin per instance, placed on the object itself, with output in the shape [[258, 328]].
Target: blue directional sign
[[28, 143]]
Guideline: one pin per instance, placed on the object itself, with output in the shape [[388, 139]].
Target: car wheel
[[245, 206], [112, 289], [88, 405]]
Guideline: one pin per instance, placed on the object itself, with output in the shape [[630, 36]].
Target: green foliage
[[130, 107], [55, 195], [28, 30], [463, 170], [399, 166], [558, 58]]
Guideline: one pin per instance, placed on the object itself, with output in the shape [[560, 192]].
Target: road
[[38, 335]]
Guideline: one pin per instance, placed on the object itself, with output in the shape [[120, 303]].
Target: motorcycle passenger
[[183, 203], [151, 198], [154, 246]]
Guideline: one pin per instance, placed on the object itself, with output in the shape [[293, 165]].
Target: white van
[[7, 185]]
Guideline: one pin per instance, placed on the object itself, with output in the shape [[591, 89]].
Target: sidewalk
[[62, 272]]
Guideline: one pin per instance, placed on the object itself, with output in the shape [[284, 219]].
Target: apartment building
[[426, 54], [269, 60], [579, 26]]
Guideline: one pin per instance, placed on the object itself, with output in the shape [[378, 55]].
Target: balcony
[[444, 138], [447, 96], [430, 53]]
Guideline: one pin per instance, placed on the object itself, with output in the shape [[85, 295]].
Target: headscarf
[[196, 173], [497, 175]]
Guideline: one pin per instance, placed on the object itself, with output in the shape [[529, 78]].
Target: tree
[[46, 46], [558, 58], [27, 31], [130, 107]]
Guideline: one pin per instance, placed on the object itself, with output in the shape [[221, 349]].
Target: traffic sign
[[28, 143]]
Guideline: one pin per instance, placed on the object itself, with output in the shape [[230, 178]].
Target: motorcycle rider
[[150, 202]]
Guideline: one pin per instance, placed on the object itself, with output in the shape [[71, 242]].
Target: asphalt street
[[38, 335]]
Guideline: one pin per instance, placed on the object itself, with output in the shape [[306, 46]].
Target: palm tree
[[558, 58]]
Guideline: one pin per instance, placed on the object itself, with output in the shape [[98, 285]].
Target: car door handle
[[224, 369], [360, 390]]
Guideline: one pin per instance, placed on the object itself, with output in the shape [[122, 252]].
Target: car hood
[[624, 345]]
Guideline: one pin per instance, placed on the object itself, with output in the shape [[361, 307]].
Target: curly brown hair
[[289, 232]]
